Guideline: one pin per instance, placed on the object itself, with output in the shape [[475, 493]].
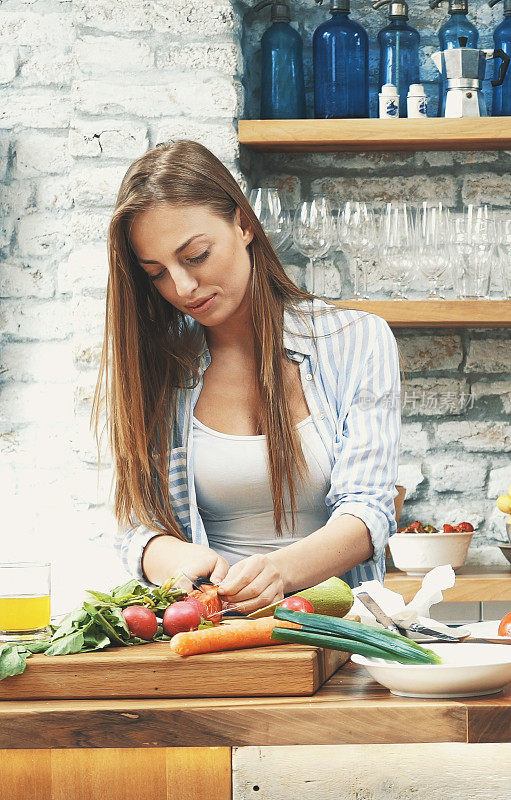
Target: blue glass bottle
[[340, 52], [448, 36], [399, 51], [501, 105], [282, 81]]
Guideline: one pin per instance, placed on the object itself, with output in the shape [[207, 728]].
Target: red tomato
[[464, 526], [141, 621], [505, 626], [181, 616], [448, 528], [298, 603]]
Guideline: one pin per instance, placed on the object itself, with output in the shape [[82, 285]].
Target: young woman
[[236, 402]]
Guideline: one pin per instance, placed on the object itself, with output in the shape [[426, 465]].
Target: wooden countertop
[[473, 583], [349, 709]]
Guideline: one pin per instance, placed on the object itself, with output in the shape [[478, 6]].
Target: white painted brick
[[84, 389], [499, 481], [500, 389], [97, 186], [414, 439], [213, 97], [84, 444], [17, 198], [221, 139], [8, 64], [102, 55], [17, 280], [219, 56], [107, 138], [54, 192], [87, 226], [36, 319], [87, 352], [51, 442], [410, 476], [6, 232], [423, 352], [451, 475], [36, 403], [88, 314], [35, 108], [106, 16], [339, 162], [43, 233], [411, 188], [476, 436], [41, 153], [434, 396], [187, 18], [488, 355], [86, 268], [37, 361], [36, 30], [52, 65], [89, 486]]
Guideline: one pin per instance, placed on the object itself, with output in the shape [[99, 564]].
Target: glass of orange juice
[[25, 601]]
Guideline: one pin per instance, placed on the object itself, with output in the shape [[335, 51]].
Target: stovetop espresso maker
[[463, 69]]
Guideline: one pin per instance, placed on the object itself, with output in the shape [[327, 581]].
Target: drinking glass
[[398, 245], [25, 601], [357, 235], [312, 237], [275, 220], [433, 253], [504, 254], [473, 246]]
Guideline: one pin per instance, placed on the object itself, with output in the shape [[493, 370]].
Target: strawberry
[[448, 528], [464, 526]]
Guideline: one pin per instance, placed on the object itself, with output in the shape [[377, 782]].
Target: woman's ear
[[246, 229]]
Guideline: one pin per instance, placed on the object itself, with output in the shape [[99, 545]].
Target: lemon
[[332, 597], [504, 503]]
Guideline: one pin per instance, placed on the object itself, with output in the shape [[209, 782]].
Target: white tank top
[[233, 491]]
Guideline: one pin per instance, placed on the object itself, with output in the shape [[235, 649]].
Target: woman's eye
[[154, 278], [200, 258]]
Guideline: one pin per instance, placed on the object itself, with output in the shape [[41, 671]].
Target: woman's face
[[189, 254]]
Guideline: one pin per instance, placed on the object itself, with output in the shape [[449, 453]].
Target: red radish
[[141, 621], [297, 603], [181, 616], [200, 606]]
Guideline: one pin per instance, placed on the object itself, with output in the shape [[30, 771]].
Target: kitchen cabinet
[[168, 748]]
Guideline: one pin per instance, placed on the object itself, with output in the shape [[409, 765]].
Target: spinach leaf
[[13, 660], [66, 645]]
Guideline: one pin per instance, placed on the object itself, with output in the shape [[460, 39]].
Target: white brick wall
[[85, 89]]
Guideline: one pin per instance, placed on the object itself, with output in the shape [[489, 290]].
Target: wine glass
[[504, 254], [312, 237], [473, 244], [398, 245], [357, 234], [433, 254], [275, 220]]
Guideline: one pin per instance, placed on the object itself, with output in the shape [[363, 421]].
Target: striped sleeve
[[366, 445], [129, 545]]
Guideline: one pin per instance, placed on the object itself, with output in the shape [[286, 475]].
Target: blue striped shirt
[[350, 376]]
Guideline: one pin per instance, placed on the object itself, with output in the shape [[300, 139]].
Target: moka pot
[[463, 70]]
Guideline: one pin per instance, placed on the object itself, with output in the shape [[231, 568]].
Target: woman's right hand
[[167, 557]]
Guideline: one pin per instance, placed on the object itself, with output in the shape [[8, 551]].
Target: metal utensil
[[390, 625]]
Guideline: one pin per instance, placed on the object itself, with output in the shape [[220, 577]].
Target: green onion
[[382, 639]]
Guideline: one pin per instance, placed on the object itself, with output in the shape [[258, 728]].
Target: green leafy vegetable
[[13, 660]]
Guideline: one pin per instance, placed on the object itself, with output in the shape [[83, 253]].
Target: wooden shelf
[[356, 135], [437, 313], [473, 584]]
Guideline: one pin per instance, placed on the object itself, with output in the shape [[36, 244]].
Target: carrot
[[253, 633]]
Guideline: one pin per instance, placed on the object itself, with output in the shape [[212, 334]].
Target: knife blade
[[377, 612]]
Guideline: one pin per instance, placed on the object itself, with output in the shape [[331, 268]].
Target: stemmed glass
[[504, 254], [357, 234], [312, 237], [398, 245], [433, 253], [275, 220]]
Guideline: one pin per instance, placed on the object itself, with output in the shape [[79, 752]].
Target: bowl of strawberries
[[418, 548]]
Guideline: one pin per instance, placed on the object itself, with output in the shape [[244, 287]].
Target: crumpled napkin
[[417, 610]]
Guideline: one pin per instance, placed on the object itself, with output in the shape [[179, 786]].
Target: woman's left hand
[[254, 581]]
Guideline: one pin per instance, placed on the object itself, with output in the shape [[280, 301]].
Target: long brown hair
[[150, 346]]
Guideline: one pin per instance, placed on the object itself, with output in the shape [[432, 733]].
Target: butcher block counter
[[182, 748]]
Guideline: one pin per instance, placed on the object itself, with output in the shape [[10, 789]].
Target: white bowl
[[469, 670], [418, 553]]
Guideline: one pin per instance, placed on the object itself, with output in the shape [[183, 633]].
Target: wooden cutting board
[[152, 670]]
